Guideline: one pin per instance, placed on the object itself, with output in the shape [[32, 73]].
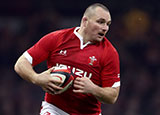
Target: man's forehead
[[100, 13]]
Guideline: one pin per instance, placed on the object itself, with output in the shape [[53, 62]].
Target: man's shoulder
[[109, 46], [62, 31], [110, 53]]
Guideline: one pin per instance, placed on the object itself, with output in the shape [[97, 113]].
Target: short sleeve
[[41, 50], [110, 73]]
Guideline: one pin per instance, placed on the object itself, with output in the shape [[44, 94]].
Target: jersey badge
[[92, 60]]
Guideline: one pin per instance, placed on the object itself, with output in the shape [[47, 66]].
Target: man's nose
[[105, 28]]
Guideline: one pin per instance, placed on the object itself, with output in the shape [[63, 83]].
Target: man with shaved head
[[88, 54]]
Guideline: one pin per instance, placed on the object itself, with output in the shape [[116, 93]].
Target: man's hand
[[83, 85], [46, 81], [103, 94]]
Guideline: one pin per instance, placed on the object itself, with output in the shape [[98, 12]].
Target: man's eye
[[100, 22], [109, 23]]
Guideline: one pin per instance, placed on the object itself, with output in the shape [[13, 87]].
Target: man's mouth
[[101, 34]]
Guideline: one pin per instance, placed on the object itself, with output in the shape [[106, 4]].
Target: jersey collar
[[80, 38]]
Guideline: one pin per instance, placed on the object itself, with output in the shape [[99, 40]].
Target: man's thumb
[[50, 69]]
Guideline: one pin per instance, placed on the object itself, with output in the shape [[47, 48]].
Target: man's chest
[[83, 62]]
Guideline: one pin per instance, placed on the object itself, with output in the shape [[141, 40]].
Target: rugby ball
[[65, 75]]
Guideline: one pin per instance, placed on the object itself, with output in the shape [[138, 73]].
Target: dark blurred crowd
[[135, 32]]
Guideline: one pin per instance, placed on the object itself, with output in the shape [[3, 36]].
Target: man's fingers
[[53, 86], [77, 91], [50, 91], [78, 82], [56, 81], [78, 79], [78, 86]]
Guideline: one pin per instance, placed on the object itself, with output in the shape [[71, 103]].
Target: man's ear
[[84, 21]]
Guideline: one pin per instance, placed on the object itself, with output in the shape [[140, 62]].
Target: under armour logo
[[92, 60], [63, 52]]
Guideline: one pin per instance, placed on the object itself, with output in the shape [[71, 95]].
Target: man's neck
[[82, 33]]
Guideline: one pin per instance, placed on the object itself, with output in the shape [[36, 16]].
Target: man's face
[[98, 25]]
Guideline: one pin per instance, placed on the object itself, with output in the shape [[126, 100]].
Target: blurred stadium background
[[135, 32]]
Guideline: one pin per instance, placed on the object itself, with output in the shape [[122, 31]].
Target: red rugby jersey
[[99, 62]]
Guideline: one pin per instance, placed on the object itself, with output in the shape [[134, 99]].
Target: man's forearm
[[107, 94], [25, 70]]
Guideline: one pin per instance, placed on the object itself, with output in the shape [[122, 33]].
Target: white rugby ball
[[65, 75]]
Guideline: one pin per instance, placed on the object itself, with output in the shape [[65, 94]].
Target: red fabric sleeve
[[41, 50], [111, 69]]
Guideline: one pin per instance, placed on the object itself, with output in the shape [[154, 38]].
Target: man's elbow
[[19, 65], [112, 101], [16, 67], [114, 97]]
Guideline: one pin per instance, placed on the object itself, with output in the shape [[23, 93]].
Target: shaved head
[[95, 23], [91, 9]]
